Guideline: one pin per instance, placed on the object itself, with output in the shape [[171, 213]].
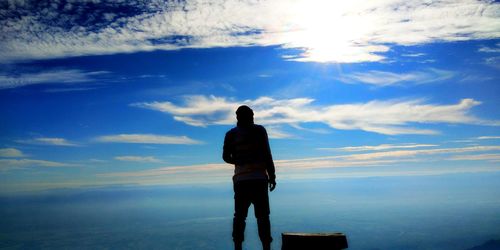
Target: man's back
[[246, 144]]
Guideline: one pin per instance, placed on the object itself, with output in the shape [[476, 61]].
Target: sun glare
[[332, 31]]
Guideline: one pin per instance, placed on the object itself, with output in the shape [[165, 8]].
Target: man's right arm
[[227, 149]]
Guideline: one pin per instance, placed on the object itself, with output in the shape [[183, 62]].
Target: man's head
[[244, 115]]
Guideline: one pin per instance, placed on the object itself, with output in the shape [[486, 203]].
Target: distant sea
[[454, 211]]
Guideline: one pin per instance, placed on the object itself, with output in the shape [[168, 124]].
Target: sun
[[332, 31]]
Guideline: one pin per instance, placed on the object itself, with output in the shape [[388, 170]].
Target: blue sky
[[110, 92]]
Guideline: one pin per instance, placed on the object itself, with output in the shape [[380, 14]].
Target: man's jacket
[[247, 147]]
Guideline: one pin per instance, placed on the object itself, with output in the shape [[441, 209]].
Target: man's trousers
[[254, 192]]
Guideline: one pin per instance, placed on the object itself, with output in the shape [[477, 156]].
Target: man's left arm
[[269, 162]]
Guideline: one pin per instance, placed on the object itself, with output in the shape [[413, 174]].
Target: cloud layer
[[133, 158], [384, 78], [302, 168], [66, 76], [15, 158], [6, 164], [147, 139], [385, 117], [10, 152], [325, 31], [380, 147], [52, 141]]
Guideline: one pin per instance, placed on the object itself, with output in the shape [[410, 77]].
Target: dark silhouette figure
[[246, 146]]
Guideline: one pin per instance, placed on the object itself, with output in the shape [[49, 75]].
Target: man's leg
[[241, 204], [261, 206]]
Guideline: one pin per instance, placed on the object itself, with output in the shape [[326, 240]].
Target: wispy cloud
[[10, 152], [53, 141], [21, 162], [487, 49], [133, 158], [68, 76], [385, 117], [487, 137], [396, 154], [147, 139], [478, 157], [175, 171], [94, 160], [6, 164], [30, 30], [264, 75], [380, 147], [413, 55], [64, 90], [276, 132], [474, 78], [383, 78], [299, 168], [313, 130], [493, 61]]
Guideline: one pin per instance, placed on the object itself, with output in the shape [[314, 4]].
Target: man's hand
[[272, 185]]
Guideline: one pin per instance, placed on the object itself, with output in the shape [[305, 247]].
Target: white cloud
[[200, 170], [133, 158], [413, 55], [53, 141], [384, 78], [493, 61], [63, 90], [313, 130], [474, 78], [94, 160], [384, 117], [392, 155], [6, 164], [488, 137], [56, 76], [264, 75], [10, 152], [327, 31], [487, 49], [478, 157], [275, 132], [380, 147], [147, 139]]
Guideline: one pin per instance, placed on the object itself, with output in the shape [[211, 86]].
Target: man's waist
[[248, 168], [251, 165], [249, 171]]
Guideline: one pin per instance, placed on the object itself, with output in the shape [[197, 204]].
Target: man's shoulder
[[232, 131], [260, 127], [237, 129]]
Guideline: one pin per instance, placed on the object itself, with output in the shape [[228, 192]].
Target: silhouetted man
[[247, 147]]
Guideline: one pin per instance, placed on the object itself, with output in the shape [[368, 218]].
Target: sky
[[97, 93]]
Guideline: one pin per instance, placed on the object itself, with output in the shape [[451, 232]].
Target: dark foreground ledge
[[313, 241]]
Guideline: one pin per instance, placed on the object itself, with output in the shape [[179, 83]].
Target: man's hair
[[244, 115], [244, 110]]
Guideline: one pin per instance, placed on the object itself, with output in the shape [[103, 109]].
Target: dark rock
[[313, 241]]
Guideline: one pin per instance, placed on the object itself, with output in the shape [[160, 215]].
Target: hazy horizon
[[453, 211]]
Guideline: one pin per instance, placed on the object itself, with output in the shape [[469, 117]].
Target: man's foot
[[238, 246], [266, 246]]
